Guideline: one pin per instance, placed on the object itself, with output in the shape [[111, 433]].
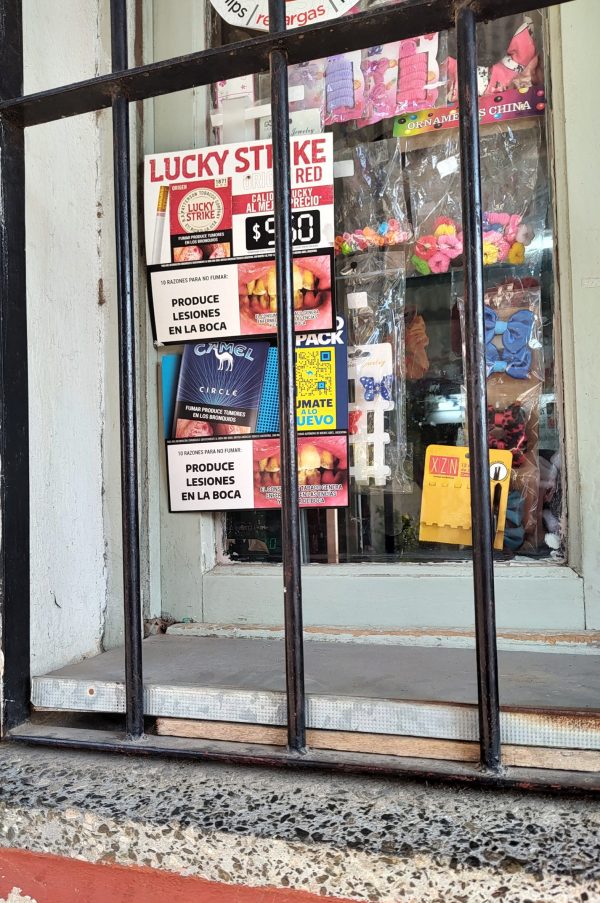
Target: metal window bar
[[132, 599], [290, 513], [274, 51]]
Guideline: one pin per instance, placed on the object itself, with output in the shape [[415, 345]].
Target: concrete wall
[[70, 306]]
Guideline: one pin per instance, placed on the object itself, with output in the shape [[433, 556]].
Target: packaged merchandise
[[514, 205], [219, 389], [371, 288], [310, 77], [419, 83], [380, 71], [508, 55], [343, 98], [515, 370], [231, 98], [370, 206]]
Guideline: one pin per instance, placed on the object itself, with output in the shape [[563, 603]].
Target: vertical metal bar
[[134, 688], [483, 563], [14, 420], [290, 515]]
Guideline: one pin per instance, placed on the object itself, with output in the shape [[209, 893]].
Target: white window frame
[[189, 580]]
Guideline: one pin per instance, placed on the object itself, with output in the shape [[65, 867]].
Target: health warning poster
[[224, 298], [227, 474]]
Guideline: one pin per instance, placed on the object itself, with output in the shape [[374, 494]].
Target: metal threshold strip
[[268, 756], [548, 700]]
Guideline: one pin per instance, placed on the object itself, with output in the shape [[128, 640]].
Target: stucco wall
[[70, 313]]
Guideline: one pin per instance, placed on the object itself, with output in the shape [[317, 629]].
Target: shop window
[[399, 285]]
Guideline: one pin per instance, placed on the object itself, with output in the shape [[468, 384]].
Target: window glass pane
[[392, 113]]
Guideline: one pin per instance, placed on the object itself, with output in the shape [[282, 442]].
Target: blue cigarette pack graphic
[[219, 389]]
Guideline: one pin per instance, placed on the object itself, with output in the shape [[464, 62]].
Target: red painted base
[[52, 879]]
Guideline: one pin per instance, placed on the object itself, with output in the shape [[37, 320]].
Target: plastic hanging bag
[[343, 97], [420, 82], [370, 204], [514, 205], [371, 287], [509, 55], [515, 376]]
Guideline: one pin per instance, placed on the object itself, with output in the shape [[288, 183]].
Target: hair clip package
[[380, 71], [370, 205], [372, 287], [514, 206], [419, 83], [311, 78], [344, 88], [515, 376]]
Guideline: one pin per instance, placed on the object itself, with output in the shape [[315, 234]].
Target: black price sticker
[[260, 230]]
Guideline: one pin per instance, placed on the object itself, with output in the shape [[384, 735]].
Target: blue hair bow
[[373, 388], [515, 359], [516, 364], [514, 531]]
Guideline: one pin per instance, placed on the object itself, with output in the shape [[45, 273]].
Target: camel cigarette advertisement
[[229, 388], [221, 298], [217, 202], [226, 474], [219, 389]]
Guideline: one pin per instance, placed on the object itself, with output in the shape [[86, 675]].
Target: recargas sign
[[298, 12]]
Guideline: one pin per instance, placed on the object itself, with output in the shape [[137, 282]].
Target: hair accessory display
[[412, 77], [514, 204], [370, 202], [504, 241], [514, 358], [515, 332], [521, 57], [380, 71], [418, 73], [369, 438], [507, 431], [514, 363], [344, 88], [388, 233], [371, 286], [507, 54], [373, 388], [339, 84]]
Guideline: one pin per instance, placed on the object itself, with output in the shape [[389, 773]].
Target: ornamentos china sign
[[253, 14]]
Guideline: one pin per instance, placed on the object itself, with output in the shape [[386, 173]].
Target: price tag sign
[[306, 230], [217, 202]]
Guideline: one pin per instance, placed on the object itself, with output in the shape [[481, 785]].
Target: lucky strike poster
[[216, 202]]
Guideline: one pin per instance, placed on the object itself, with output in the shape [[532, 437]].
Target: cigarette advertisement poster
[[219, 389], [213, 475], [217, 202], [322, 380], [210, 239], [229, 388]]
